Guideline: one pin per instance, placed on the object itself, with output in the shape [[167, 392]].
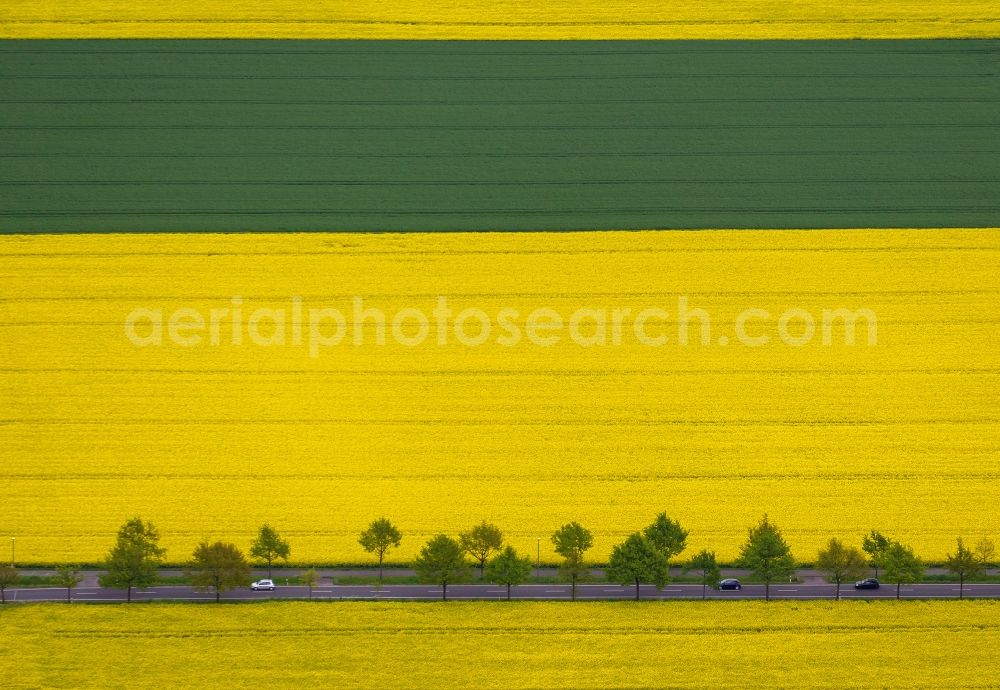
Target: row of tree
[[642, 558], [645, 556]]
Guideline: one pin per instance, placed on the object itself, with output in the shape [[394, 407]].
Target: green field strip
[[168, 135]]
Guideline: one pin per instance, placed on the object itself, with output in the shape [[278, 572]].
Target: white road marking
[[34, 589], [404, 597]]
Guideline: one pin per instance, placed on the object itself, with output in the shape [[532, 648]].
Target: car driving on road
[[267, 585], [867, 583], [730, 583]]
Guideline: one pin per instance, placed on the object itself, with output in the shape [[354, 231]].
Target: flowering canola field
[[512, 19], [211, 440], [495, 645]]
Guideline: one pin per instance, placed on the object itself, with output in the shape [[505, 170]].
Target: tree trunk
[[898, 585], [767, 590], [381, 557], [444, 591], [637, 589], [573, 587], [704, 585], [69, 595], [217, 595], [838, 590], [3, 595], [128, 594], [268, 567], [961, 585], [508, 591]]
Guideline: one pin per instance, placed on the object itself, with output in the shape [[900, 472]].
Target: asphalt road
[[523, 592]]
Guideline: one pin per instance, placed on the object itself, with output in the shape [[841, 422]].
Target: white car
[[263, 585]]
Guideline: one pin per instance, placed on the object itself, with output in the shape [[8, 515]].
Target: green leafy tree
[[986, 552], [220, 567], [901, 565], [667, 536], [875, 545], [481, 542], [269, 547], [134, 559], [963, 563], [310, 578], [508, 568], [8, 578], [572, 541], [441, 562], [767, 555], [704, 562], [69, 577], [380, 536], [840, 563], [637, 560]]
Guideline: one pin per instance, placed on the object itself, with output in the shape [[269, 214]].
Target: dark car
[[867, 583], [730, 583]]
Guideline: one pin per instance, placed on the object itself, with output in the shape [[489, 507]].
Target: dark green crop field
[[410, 135]]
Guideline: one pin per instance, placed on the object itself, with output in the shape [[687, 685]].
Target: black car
[[868, 583], [730, 583]]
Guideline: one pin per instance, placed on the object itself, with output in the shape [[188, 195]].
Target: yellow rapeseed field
[[489, 19], [499, 645], [212, 440]]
